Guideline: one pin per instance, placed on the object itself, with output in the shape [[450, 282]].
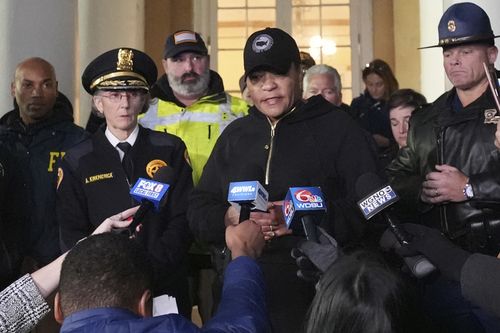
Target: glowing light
[[318, 44]]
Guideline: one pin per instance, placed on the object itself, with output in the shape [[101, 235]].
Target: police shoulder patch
[[153, 166]]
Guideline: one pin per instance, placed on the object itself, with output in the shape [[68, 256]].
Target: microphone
[[151, 193], [376, 198], [303, 209], [247, 196]]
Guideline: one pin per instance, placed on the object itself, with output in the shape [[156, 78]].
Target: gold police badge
[[125, 62], [451, 26], [153, 166]]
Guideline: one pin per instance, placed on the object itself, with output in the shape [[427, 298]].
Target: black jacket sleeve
[[71, 208], [206, 209], [12, 218], [167, 236], [479, 280]]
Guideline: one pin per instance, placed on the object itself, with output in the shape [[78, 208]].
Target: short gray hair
[[323, 69]]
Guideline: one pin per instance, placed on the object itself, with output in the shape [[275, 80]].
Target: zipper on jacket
[[440, 161], [271, 144], [268, 163]]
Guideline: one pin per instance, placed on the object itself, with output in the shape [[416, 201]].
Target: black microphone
[[151, 193], [378, 197], [304, 204]]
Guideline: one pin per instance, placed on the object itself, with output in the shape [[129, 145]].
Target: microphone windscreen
[[164, 175], [367, 183]]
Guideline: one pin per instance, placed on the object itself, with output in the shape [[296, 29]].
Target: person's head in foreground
[[105, 271], [359, 293]]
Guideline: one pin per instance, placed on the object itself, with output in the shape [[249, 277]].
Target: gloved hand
[[445, 255], [313, 259]]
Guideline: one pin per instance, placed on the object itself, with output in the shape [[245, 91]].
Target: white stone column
[[42, 28], [102, 26]]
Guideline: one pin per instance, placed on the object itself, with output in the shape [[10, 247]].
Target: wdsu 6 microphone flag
[[303, 210]]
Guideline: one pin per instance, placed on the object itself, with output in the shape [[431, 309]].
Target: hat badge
[[125, 62], [262, 43], [451, 26]]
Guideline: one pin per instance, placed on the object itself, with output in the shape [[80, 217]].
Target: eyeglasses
[[116, 96]]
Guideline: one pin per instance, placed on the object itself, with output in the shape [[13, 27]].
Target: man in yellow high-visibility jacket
[[192, 103]]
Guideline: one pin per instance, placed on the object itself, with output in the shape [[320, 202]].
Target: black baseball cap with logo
[[271, 48], [184, 41]]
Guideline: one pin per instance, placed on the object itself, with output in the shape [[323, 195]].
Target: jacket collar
[[313, 107], [448, 115], [12, 121], [86, 317]]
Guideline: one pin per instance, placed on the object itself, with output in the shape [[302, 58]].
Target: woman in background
[[370, 108], [401, 105]]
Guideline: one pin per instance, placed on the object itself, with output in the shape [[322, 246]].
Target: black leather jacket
[[440, 135]]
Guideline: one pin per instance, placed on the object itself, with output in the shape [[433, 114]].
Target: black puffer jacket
[[440, 135]]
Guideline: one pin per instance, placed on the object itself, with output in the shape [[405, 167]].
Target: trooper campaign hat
[[271, 48], [464, 23], [184, 41], [121, 68]]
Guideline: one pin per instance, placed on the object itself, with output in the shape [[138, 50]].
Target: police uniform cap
[[271, 48], [464, 23], [121, 68]]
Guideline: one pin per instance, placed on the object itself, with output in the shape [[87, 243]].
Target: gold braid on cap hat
[[103, 78], [124, 67]]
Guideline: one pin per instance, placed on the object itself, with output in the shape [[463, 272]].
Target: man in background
[[193, 105], [324, 80], [38, 132], [447, 175]]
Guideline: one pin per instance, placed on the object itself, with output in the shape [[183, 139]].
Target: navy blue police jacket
[[93, 186]]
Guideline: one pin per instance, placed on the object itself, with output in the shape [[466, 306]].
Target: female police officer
[[96, 175]]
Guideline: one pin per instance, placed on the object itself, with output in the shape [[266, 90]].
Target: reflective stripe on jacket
[[198, 125]]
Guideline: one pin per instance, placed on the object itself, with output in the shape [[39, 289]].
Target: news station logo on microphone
[[377, 201], [250, 192], [303, 200], [151, 190]]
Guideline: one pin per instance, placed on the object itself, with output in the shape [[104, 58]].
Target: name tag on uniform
[[99, 177]]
